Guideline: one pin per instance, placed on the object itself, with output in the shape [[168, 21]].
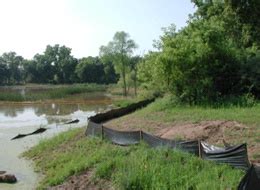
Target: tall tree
[[64, 63], [14, 66], [119, 51]]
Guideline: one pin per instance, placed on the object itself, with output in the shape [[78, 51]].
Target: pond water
[[21, 118]]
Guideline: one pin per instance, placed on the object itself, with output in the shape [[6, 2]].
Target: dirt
[[210, 131], [83, 181]]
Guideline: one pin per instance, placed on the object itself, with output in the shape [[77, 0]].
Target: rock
[[7, 178]]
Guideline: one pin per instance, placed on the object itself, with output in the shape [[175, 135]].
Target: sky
[[28, 26]]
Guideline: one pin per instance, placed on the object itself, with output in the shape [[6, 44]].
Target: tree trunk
[[124, 82], [135, 86]]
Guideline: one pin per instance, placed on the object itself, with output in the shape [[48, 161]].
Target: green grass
[[53, 92], [166, 110], [135, 167]]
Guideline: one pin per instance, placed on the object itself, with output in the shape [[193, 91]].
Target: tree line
[[215, 57], [57, 66]]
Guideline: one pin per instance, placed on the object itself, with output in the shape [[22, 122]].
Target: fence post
[[141, 135], [102, 132], [199, 149]]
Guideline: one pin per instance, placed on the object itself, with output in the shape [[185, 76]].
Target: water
[[18, 118]]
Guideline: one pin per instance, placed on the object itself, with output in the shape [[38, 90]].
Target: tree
[[119, 51], [4, 72], [64, 64], [134, 61], [90, 70], [13, 63]]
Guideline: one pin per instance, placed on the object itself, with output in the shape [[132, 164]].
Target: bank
[[72, 160]]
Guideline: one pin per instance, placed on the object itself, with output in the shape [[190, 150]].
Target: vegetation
[[57, 66], [53, 92], [214, 58], [167, 110], [136, 167], [119, 51]]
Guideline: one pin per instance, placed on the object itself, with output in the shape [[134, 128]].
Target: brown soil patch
[[214, 132], [210, 131], [83, 182]]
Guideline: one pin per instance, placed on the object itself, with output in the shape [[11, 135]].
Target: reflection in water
[[18, 118]]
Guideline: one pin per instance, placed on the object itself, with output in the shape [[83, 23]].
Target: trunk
[[124, 83], [135, 84]]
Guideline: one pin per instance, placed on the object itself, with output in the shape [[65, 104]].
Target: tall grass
[[51, 93], [135, 167]]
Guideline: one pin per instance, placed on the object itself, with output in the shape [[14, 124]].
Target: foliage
[[213, 58], [119, 51], [137, 167], [56, 65], [91, 69], [11, 68]]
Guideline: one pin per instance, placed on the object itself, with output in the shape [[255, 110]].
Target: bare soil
[[83, 181]]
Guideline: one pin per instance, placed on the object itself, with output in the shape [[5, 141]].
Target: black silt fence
[[251, 181], [94, 129], [187, 146], [115, 113], [235, 156], [123, 138]]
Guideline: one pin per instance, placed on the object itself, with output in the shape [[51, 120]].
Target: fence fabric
[[102, 117], [93, 129], [187, 146], [122, 137], [251, 180], [235, 156]]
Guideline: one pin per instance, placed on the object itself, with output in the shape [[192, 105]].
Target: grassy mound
[[134, 167]]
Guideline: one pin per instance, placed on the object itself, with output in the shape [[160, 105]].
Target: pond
[[22, 118]]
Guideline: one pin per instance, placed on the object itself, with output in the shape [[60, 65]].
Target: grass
[[134, 167], [53, 92], [182, 113]]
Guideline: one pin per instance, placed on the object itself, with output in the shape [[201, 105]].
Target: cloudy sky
[[27, 26]]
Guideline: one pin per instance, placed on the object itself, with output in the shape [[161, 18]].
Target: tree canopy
[[119, 51]]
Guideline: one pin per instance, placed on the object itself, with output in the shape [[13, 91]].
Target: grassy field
[[50, 92], [135, 167], [173, 112]]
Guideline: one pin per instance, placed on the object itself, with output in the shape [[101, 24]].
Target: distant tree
[[119, 51], [4, 72], [64, 63], [13, 63], [90, 70], [110, 74]]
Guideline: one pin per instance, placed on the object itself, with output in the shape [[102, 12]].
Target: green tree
[[4, 72], [64, 63], [90, 70], [119, 51], [14, 65]]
